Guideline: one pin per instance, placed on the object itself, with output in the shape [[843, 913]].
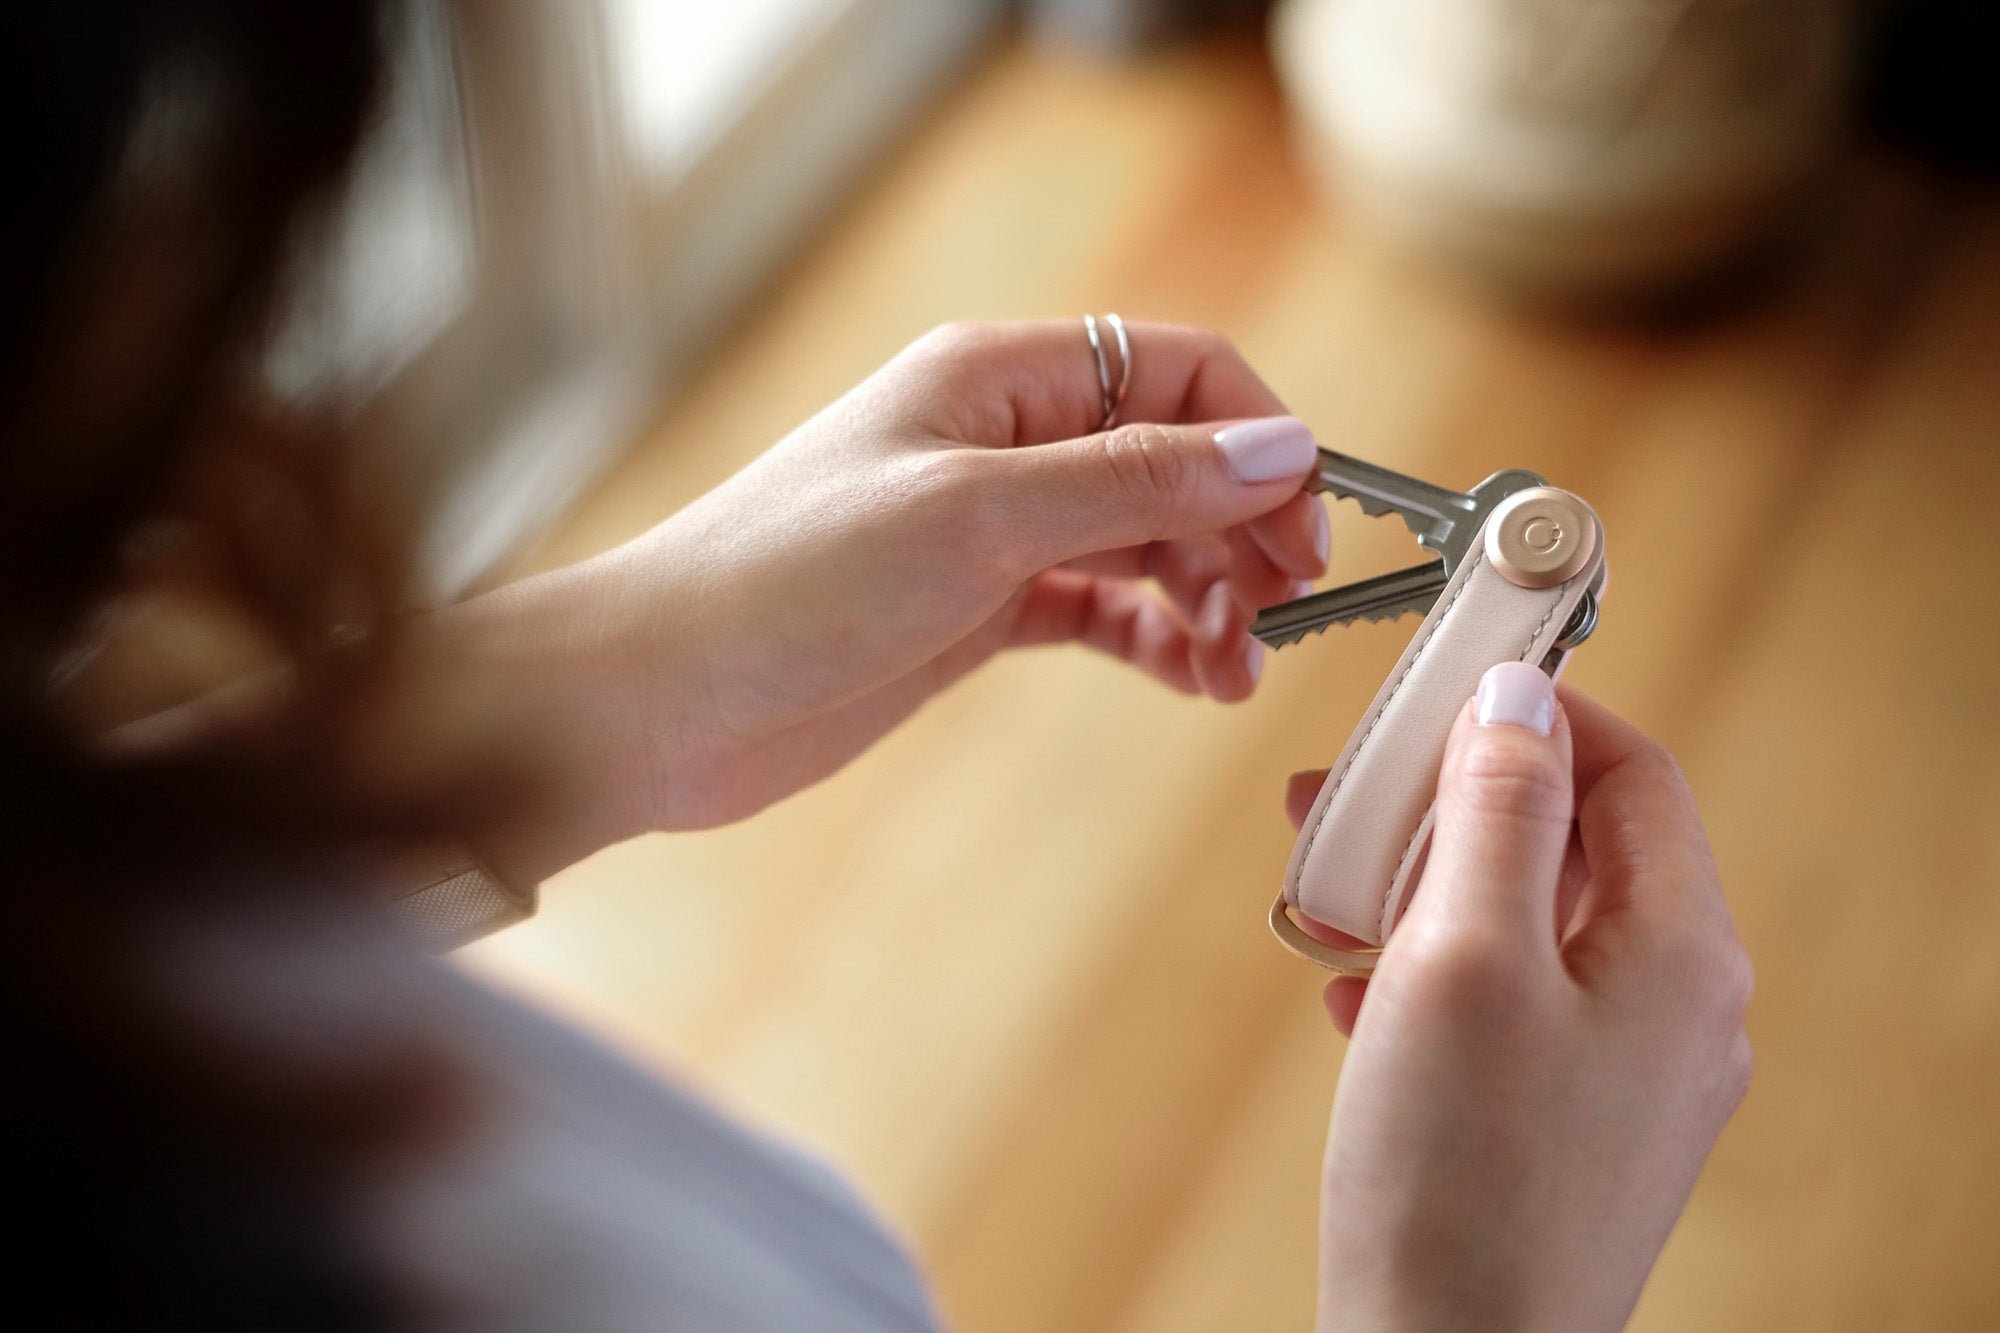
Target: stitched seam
[[1334, 782], [1410, 848]]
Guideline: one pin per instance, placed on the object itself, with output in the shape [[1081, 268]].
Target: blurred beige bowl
[[1570, 149]]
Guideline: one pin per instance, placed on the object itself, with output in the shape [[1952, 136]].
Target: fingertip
[[1257, 580], [1227, 668], [1505, 802], [1301, 791], [1267, 449], [1516, 694], [1512, 731], [1343, 997], [1296, 537]]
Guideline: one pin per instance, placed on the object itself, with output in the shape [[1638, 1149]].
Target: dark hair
[[162, 160]]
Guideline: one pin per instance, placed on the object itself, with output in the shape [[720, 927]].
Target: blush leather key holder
[[1520, 580]]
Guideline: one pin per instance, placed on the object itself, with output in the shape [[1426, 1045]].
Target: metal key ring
[[1113, 399], [1347, 962]]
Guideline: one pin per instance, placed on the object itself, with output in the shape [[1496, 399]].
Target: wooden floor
[[1011, 968]]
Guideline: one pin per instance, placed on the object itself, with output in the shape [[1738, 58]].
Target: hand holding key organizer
[[1520, 574]]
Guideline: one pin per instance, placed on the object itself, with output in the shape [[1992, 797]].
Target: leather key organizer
[[1524, 587]]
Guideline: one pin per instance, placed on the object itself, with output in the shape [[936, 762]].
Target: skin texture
[[1554, 1037], [958, 503], [1549, 1048]]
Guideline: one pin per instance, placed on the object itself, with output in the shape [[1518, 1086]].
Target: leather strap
[[1363, 846]]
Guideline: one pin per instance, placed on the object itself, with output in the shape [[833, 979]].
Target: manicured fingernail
[[1515, 694], [1253, 658], [1267, 449], [1302, 588], [1322, 532]]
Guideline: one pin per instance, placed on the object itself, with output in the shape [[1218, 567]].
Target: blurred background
[[1728, 268]]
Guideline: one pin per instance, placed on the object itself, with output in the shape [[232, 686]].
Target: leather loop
[[1363, 846]]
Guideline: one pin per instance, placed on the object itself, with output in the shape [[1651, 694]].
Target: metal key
[[1443, 521], [1384, 597]]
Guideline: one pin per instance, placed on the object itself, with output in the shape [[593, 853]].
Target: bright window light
[[685, 69]]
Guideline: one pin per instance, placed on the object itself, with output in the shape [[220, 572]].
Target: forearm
[[527, 699]]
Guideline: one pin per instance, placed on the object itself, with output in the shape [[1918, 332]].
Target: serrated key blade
[[1433, 514], [1370, 505], [1383, 597], [1416, 606]]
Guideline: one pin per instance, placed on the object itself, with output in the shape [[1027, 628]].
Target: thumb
[[1504, 804], [1144, 482]]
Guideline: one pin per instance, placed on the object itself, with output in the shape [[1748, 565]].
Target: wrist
[[1363, 1304], [1436, 1269], [528, 698], [1431, 1280]]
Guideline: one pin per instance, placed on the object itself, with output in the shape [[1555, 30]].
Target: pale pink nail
[[1267, 449], [1515, 694], [1253, 659], [1322, 532]]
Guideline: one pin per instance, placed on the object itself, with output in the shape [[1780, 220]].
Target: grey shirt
[[594, 1196], [576, 1191]]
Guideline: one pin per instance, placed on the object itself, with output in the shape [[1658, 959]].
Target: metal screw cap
[[1540, 537]]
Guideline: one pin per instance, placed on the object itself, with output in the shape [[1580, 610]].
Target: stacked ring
[[1113, 396]]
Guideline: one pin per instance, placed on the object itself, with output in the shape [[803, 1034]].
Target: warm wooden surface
[[1011, 968]]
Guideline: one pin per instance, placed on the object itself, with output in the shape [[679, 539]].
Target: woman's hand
[[1551, 1044], [958, 502]]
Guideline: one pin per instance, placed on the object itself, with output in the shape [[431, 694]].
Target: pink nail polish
[[1267, 449], [1515, 694], [1322, 533]]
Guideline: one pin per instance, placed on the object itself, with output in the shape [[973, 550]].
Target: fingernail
[[1515, 694], [1303, 588], [1267, 449], [1253, 659], [1322, 532]]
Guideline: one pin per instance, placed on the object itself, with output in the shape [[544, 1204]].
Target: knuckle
[[1514, 776], [951, 339], [1213, 346], [1709, 967], [1219, 356], [950, 357], [1466, 973], [932, 381], [1736, 980], [1144, 468], [1738, 1070], [1658, 765]]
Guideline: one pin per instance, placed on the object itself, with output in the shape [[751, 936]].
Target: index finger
[[1037, 380]]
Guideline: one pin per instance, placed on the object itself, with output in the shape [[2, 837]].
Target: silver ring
[[1113, 399]]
